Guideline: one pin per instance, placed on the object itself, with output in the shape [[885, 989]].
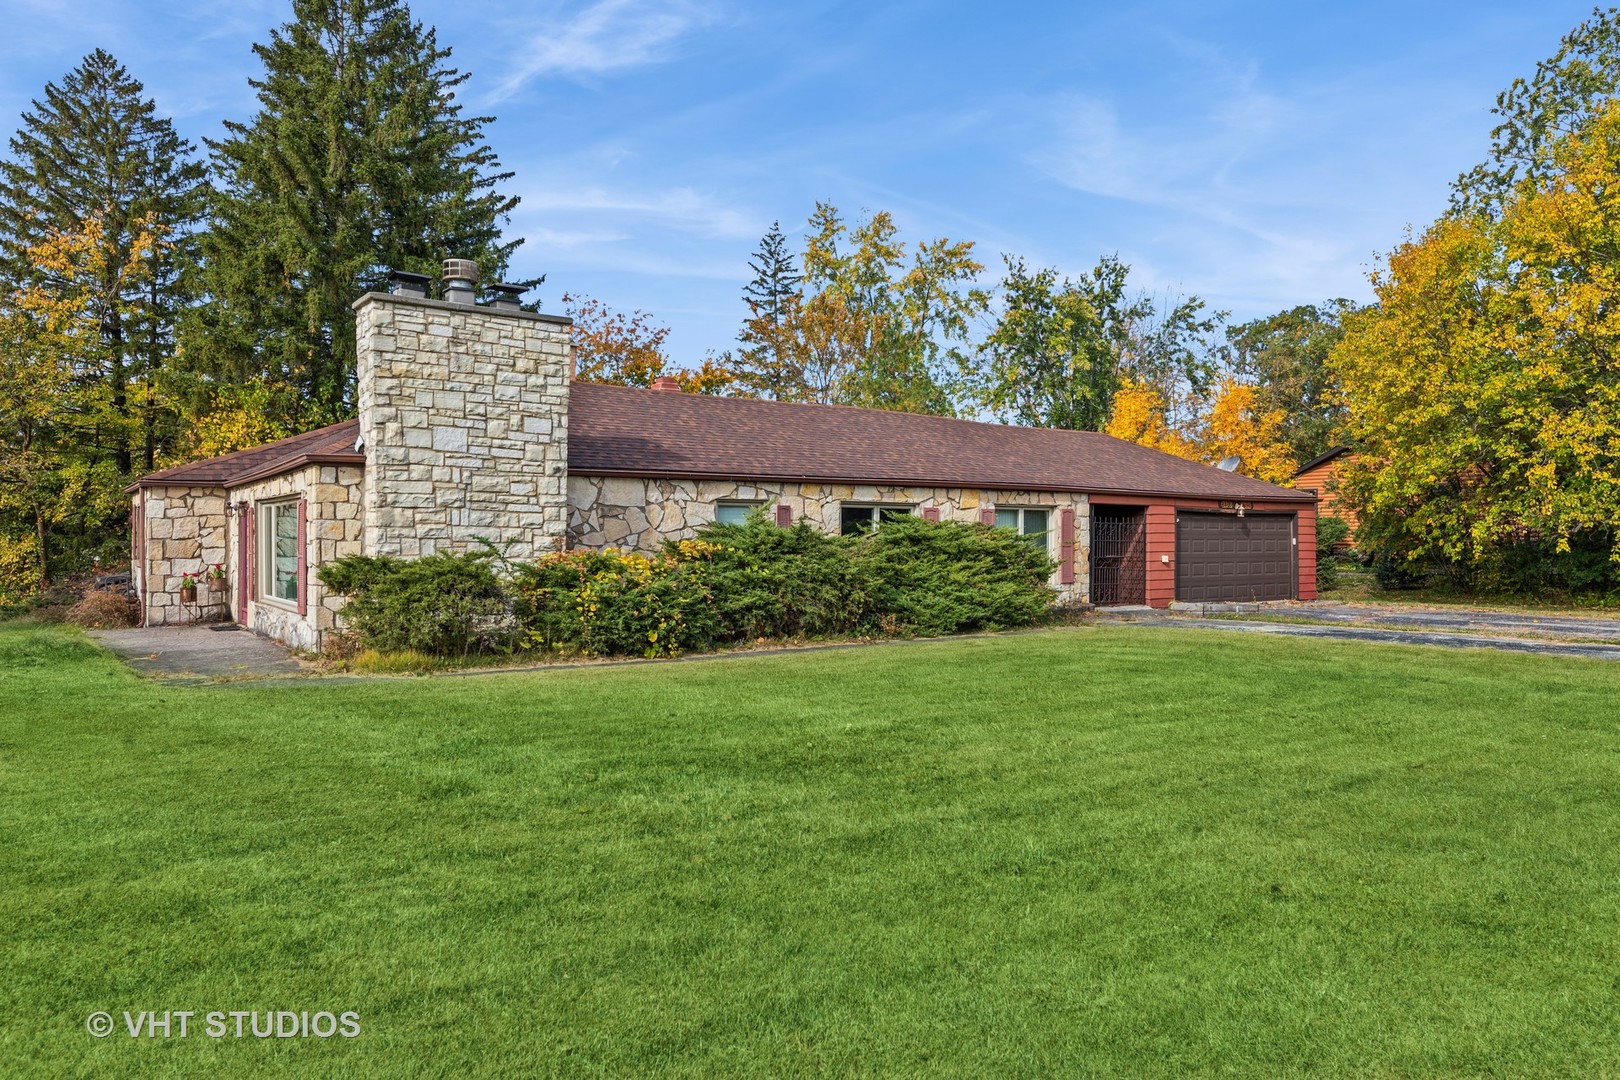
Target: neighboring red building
[[1319, 477]]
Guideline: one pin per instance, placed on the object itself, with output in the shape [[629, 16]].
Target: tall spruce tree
[[762, 364], [359, 161], [94, 162]]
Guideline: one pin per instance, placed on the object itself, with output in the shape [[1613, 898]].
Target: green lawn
[[1103, 851]]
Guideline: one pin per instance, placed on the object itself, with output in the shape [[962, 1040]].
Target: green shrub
[[932, 577], [442, 605], [773, 582], [1330, 531], [613, 603], [732, 583]]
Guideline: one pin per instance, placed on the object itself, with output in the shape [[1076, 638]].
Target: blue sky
[[1259, 155]]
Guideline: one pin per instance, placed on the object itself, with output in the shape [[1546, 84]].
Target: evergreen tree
[[359, 161], [93, 161], [763, 364], [775, 280]]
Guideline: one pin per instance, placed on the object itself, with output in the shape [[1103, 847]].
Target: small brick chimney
[[667, 384]]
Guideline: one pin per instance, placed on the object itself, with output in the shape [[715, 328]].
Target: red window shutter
[[250, 588], [1066, 546], [784, 515], [930, 513], [987, 515], [303, 562], [244, 561]]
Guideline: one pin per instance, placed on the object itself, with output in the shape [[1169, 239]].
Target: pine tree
[[93, 161], [359, 161], [775, 280], [764, 364]]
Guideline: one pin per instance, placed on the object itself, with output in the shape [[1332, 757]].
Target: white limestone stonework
[[332, 529], [464, 421], [640, 513], [182, 531]]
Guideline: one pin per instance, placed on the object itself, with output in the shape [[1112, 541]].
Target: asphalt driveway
[[1595, 637]]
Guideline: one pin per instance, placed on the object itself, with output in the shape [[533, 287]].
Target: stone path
[[200, 653]]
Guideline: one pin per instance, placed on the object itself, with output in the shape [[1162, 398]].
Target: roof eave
[[264, 472], [1280, 495]]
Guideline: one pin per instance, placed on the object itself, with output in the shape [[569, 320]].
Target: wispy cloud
[[683, 210], [608, 36]]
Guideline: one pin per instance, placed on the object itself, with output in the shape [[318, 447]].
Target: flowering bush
[[605, 603]]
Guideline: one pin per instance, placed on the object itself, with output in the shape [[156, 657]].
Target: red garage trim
[[1160, 518]]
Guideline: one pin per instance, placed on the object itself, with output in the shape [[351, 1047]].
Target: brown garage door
[[1226, 557]]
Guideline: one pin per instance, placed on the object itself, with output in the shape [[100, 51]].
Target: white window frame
[[1020, 528], [748, 506], [266, 514], [876, 510]]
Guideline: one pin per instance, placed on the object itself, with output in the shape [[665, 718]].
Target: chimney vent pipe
[[506, 297], [460, 281], [405, 283]]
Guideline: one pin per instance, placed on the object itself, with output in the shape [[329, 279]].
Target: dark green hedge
[[732, 583]]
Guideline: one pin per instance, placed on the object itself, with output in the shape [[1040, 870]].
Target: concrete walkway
[[1594, 637], [200, 653]]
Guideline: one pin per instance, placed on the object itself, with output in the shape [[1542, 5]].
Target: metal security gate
[[1223, 557], [1118, 556]]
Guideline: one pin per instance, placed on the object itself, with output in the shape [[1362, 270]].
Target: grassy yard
[[1104, 851]]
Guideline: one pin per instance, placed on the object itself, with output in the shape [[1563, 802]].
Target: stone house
[[470, 426]]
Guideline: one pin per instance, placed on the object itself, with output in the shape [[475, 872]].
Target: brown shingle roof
[[332, 445], [622, 431]]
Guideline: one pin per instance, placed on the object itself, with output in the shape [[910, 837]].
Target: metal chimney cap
[[506, 297], [461, 270], [405, 283]]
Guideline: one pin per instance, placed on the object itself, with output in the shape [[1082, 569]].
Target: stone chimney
[[464, 422]]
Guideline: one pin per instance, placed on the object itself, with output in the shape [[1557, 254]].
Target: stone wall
[[184, 530], [638, 514], [332, 529], [464, 419]]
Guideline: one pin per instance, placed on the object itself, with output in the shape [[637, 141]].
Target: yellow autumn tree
[[1238, 425], [63, 419], [1231, 424], [1483, 392], [1139, 415]]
